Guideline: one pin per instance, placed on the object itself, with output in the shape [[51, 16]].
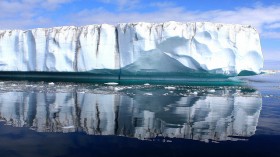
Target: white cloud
[[53, 4], [164, 4], [258, 16], [271, 54], [26, 14], [27, 5], [271, 35], [273, 26], [123, 4]]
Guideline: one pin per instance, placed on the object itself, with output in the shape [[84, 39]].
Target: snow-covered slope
[[153, 47]]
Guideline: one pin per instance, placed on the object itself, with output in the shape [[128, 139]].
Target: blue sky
[[264, 15]]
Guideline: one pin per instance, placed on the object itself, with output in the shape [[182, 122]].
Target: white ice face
[[160, 47]]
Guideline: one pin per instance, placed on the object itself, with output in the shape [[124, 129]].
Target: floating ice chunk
[[51, 83], [270, 72], [146, 84], [194, 93], [118, 88], [111, 83], [170, 88], [149, 94], [211, 91]]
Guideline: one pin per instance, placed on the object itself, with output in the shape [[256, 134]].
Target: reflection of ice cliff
[[205, 117]]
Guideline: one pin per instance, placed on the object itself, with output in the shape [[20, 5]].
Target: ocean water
[[239, 118]]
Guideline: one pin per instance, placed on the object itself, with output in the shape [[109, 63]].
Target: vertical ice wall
[[134, 47], [97, 48], [17, 51], [221, 48]]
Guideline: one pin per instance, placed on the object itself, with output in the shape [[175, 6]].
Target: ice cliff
[[133, 47]]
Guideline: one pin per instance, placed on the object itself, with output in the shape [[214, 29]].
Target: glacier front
[[133, 48]]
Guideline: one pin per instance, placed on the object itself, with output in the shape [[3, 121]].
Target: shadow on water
[[126, 78]]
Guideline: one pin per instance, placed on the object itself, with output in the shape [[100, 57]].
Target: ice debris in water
[[111, 83], [151, 90], [146, 84], [118, 88], [170, 88], [51, 83], [211, 91], [148, 94], [194, 93]]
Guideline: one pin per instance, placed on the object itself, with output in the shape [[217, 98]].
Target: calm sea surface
[[42, 119]]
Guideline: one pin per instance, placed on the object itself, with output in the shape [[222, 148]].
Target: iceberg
[[134, 48]]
